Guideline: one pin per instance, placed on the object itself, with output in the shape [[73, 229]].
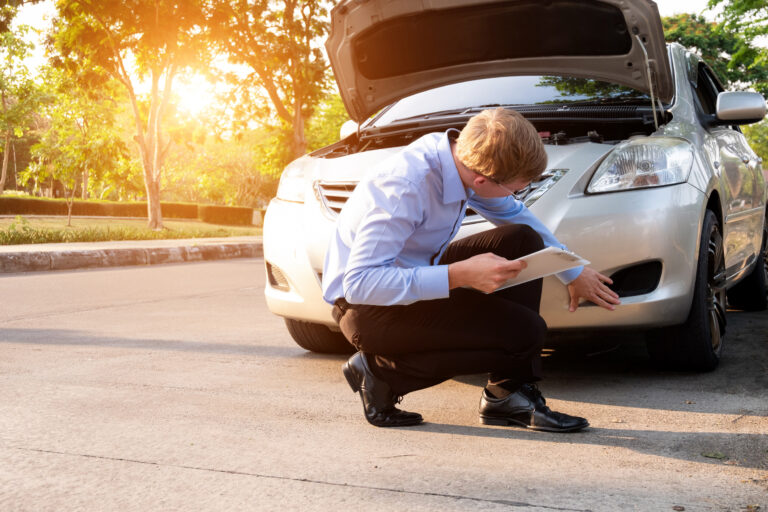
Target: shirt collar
[[453, 188]]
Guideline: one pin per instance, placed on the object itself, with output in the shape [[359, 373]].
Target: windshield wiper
[[455, 111], [601, 101]]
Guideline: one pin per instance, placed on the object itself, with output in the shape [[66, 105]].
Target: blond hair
[[502, 145]]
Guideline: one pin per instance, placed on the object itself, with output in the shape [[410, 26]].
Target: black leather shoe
[[526, 408], [378, 399]]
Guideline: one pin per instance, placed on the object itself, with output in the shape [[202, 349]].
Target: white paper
[[545, 262]]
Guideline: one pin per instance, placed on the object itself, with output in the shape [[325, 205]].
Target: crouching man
[[418, 307]]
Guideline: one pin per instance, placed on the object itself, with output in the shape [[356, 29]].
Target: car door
[[741, 180]]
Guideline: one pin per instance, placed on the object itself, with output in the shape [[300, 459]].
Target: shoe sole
[[507, 422]]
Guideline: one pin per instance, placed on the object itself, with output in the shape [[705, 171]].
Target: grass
[[41, 230]]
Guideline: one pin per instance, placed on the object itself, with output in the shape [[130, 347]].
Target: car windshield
[[508, 90]]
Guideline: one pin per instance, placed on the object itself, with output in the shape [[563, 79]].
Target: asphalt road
[[171, 387]]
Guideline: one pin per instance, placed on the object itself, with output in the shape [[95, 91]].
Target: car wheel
[[698, 343], [318, 337], [750, 293]]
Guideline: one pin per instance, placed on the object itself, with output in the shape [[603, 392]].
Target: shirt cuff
[[567, 276], [433, 282]]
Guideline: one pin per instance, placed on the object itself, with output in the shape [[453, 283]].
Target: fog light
[[637, 279], [277, 278]]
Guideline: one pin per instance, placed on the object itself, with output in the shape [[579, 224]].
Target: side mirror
[[740, 108], [347, 129]]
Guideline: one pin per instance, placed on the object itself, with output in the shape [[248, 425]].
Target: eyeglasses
[[516, 193]]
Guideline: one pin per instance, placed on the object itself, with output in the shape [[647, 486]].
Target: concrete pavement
[[174, 388], [68, 256]]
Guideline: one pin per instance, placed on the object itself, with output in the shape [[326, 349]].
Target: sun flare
[[194, 94]]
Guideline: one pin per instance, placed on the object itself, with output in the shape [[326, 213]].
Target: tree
[[8, 11], [747, 17], [279, 43], [162, 37], [324, 125], [19, 95], [729, 52], [82, 143]]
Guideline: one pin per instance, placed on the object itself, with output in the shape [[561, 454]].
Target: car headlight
[[292, 183], [643, 162]]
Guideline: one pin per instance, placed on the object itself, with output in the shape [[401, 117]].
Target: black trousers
[[418, 345]]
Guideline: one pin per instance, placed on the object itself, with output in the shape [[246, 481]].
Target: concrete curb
[[43, 259]]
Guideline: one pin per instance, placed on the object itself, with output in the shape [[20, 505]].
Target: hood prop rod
[[650, 80]]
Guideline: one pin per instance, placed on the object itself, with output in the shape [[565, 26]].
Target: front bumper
[[613, 231]]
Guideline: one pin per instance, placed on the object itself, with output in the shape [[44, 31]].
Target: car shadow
[[61, 337], [599, 367]]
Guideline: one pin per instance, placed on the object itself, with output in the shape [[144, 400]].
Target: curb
[[45, 260]]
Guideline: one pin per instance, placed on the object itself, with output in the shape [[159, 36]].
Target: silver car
[[649, 175]]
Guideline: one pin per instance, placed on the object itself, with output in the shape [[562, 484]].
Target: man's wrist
[[455, 276]]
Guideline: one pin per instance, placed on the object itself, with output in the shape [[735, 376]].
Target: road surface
[[171, 387]]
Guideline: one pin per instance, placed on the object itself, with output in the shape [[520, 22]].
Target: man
[[419, 308]]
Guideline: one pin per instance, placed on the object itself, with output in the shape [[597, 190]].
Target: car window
[[706, 89], [508, 90]]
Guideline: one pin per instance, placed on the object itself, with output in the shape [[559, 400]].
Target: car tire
[[697, 344], [318, 337], [750, 293]]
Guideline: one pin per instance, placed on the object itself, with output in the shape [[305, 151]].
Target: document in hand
[[545, 262]]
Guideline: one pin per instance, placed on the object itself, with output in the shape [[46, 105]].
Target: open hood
[[384, 50]]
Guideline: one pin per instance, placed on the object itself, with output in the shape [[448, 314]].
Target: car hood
[[384, 50]]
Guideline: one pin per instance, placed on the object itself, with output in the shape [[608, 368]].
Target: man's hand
[[484, 272], [591, 285]]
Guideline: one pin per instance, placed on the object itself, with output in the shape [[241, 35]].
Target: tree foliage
[[730, 52], [323, 127], [278, 43], [19, 94], [82, 146], [161, 37], [8, 11], [749, 18]]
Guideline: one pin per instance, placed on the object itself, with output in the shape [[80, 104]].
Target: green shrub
[[32, 206], [92, 208], [227, 215], [179, 210]]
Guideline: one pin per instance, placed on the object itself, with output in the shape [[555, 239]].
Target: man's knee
[[521, 239]]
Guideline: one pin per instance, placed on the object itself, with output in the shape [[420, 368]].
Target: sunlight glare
[[194, 94]]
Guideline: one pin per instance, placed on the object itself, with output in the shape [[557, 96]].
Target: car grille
[[333, 195]]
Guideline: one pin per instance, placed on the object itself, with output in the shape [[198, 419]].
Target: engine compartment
[[557, 125]]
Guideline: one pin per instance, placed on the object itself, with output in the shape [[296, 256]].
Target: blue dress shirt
[[398, 222]]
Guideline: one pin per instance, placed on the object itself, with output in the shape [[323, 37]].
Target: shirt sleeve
[[372, 275], [508, 210]]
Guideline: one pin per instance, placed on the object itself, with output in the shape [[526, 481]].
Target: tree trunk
[[154, 213], [84, 192], [70, 202], [4, 174], [299, 139]]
